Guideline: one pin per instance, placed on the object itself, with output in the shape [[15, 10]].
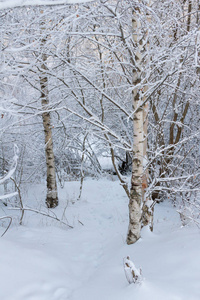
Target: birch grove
[[104, 79]]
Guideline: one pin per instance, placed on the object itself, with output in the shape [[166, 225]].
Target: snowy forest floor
[[44, 260]]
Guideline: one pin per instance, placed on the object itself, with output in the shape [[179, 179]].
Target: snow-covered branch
[[20, 3], [12, 168]]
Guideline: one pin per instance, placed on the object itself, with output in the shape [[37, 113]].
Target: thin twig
[[80, 222], [20, 199], [6, 217]]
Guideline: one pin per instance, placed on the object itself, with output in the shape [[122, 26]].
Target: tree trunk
[[136, 180], [52, 195], [139, 129], [147, 207]]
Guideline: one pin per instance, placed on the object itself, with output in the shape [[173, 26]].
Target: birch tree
[[157, 79], [52, 194], [32, 55], [136, 52], [139, 88], [135, 79]]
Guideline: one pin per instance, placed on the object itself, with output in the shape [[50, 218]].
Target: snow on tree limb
[[3, 197], [20, 3]]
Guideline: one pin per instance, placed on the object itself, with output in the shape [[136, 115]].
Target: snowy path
[[85, 263]]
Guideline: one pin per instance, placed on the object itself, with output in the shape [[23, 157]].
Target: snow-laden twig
[[185, 218], [10, 173], [10, 195], [13, 166], [20, 199]]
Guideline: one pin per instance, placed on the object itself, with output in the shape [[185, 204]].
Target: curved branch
[[6, 217]]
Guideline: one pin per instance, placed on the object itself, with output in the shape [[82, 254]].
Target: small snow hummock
[[133, 275]]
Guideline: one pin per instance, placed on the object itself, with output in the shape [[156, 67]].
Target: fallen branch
[[41, 213]]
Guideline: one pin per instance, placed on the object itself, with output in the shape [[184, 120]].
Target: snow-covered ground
[[44, 260]]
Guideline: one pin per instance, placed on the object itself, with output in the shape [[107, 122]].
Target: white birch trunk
[[52, 195], [136, 193]]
